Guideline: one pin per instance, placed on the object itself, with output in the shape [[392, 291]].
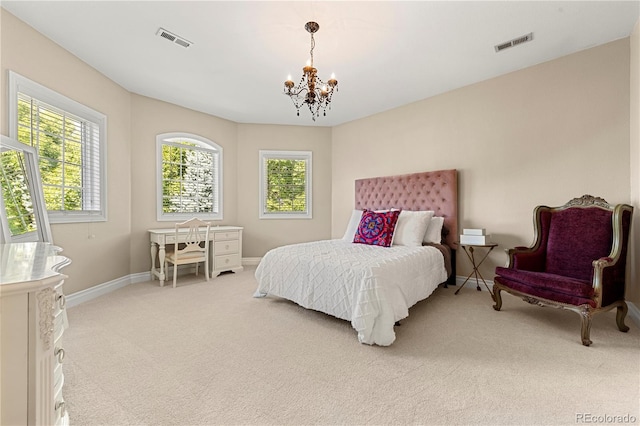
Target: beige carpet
[[209, 353]]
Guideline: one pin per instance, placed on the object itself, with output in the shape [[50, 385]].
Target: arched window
[[189, 177]]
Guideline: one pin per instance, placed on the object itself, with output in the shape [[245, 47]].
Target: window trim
[[19, 83], [285, 155], [161, 216]]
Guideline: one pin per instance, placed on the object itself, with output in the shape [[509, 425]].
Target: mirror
[[22, 210]]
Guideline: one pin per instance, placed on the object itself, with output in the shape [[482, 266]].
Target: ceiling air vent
[[173, 38], [516, 41]]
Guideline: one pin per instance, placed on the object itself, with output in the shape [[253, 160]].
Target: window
[[285, 179], [70, 139], [189, 177]]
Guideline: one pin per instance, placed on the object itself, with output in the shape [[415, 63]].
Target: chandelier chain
[[313, 45]]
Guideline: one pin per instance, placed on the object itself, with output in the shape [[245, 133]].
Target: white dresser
[[32, 321]]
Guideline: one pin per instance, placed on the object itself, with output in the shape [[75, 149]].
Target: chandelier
[[311, 90]]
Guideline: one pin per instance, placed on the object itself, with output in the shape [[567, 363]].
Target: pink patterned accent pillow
[[376, 228]]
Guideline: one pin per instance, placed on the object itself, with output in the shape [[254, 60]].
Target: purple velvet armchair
[[577, 261]]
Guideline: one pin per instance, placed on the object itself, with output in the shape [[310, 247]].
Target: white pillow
[[411, 228], [434, 231], [352, 226]]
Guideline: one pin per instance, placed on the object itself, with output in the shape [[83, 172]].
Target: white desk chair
[[195, 250]]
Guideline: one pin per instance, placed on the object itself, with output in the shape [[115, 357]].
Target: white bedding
[[371, 286]]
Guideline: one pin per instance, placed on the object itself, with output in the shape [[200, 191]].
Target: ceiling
[[384, 54]]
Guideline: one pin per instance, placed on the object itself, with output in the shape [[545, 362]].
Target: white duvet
[[370, 286]]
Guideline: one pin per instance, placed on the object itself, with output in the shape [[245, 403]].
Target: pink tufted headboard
[[437, 191]]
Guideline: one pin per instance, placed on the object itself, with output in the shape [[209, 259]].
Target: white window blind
[[285, 181], [70, 140], [189, 178]]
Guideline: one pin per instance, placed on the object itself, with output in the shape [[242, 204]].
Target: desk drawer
[[226, 262], [226, 247], [225, 236]]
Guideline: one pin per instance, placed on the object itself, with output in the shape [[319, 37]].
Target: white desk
[[225, 249]]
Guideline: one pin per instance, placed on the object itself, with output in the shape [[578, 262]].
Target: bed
[[371, 286]]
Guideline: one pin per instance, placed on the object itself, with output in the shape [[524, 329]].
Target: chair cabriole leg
[[585, 330], [621, 313], [497, 298]]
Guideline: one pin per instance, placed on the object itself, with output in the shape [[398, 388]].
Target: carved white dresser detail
[[32, 321]]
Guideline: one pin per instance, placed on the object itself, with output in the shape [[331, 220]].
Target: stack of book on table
[[472, 236]]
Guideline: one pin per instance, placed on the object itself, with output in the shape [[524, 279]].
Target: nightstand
[[469, 249]]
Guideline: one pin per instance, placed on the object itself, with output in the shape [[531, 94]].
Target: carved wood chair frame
[[585, 311]]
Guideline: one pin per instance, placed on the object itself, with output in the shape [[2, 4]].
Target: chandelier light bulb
[[288, 85]]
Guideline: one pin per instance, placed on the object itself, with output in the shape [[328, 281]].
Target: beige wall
[[633, 293], [99, 251], [106, 251], [241, 143], [149, 118], [261, 235], [542, 135]]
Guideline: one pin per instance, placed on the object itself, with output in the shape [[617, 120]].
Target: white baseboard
[[101, 289], [251, 261], [140, 277], [104, 288], [633, 313], [472, 283]]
